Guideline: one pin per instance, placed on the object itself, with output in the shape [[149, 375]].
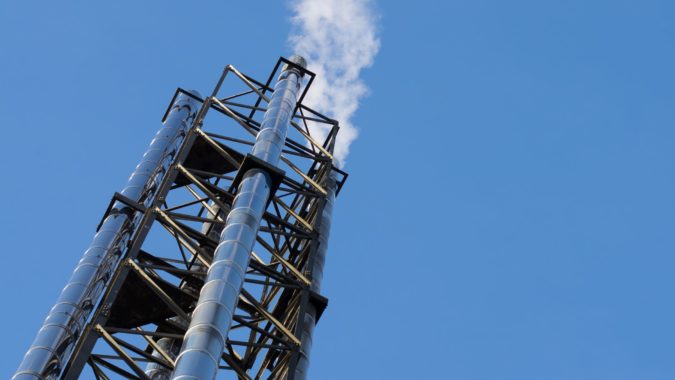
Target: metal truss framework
[[153, 290]]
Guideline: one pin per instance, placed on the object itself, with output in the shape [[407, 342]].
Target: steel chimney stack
[[205, 338], [64, 323], [211, 258]]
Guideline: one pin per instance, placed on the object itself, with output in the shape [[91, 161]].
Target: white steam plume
[[338, 38]]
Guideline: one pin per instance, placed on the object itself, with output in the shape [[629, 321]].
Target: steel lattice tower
[[213, 254]]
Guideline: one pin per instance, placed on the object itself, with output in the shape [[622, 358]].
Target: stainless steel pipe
[[309, 318], [156, 371], [172, 346], [56, 339], [205, 338]]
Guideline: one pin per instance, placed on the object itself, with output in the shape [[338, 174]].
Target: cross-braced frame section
[[137, 328]]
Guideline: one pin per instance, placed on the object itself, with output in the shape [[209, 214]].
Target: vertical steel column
[[156, 371], [56, 338], [309, 317], [169, 345], [205, 338]]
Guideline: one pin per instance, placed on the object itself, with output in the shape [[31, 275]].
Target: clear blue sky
[[510, 212]]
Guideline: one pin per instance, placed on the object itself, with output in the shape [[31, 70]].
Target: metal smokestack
[[58, 335], [171, 346], [205, 338], [309, 317]]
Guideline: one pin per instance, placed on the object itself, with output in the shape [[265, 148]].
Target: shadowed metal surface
[[310, 315], [156, 371], [170, 346], [205, 338], [64, 323]]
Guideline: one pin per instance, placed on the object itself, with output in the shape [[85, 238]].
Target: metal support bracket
[[117, 197], [320, 303], [252, 162]]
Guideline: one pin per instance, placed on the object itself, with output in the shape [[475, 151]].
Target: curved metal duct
[[309, 318], [205, 338], [56, 338]]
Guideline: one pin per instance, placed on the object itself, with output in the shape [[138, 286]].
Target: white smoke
[[338, 38]]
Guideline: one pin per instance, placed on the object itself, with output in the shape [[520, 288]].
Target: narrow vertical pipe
[[58, 335], [205, 338], [156, 371], [309, 317], [171, 346]]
